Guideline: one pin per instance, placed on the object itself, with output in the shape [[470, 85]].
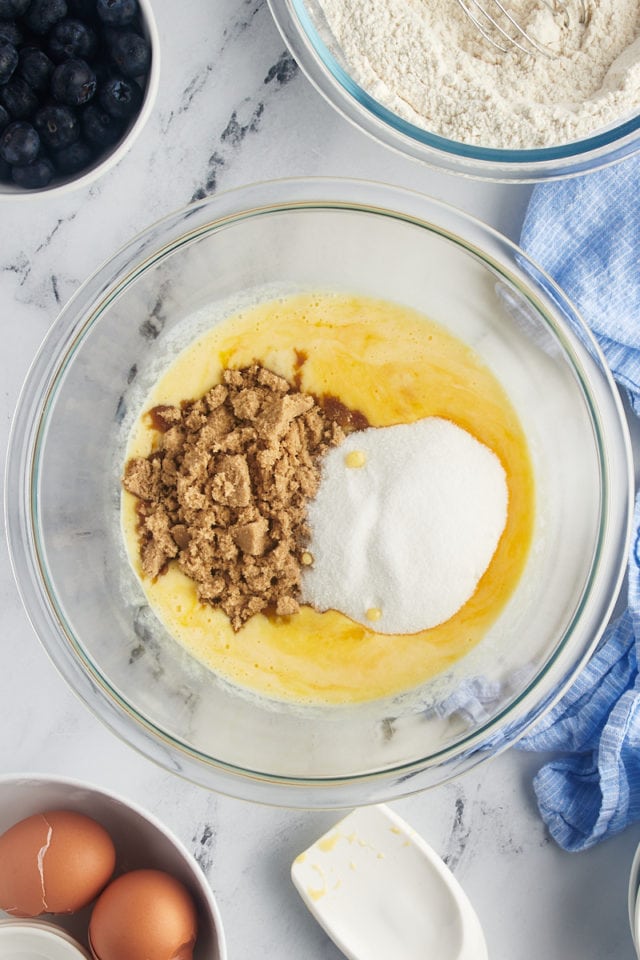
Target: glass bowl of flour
[[420, 77], [462, 545]]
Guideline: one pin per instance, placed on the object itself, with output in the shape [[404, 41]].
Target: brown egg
[[53, 862], [143, 915]]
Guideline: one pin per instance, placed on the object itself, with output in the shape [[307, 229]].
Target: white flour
[[426, 61]]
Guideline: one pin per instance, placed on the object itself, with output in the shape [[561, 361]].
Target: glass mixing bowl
[[308, 36], [90, 378]]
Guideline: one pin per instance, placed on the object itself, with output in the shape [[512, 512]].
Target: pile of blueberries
[[72, 78]]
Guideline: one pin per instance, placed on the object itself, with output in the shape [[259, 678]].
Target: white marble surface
[[233, 108]]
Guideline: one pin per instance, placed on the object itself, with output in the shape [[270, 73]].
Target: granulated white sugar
[[401, 537]]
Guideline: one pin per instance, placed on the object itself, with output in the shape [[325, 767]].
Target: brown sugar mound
[[225, 495]]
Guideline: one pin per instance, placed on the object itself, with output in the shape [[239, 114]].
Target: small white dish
[[38, 940], [380, 891]]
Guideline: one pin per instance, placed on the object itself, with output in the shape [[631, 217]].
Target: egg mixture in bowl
[[459, 554], [394, 367]]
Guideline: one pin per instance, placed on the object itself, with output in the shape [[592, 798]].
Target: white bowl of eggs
[[86, 873]]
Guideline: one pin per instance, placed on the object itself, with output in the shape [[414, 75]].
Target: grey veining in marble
[[232, 108]]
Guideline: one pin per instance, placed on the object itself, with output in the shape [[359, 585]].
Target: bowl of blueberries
[[78, 79]]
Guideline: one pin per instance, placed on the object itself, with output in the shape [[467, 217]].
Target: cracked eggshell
[[53, 862], [144, 915]]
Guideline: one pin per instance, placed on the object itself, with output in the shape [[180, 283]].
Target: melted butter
[[395, 366], [328, 843], [356, 459]]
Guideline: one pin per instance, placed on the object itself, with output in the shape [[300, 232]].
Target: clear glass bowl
[[66, 456], [304, 29]]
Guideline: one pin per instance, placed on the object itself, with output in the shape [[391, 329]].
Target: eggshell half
[[53, 862], [143, 915]]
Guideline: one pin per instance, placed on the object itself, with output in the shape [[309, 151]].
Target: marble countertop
[[233, 108]]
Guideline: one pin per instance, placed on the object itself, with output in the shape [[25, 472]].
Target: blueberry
[[13, 8], [18, 99], [120, 97], [10, 31], [101, 70], [57, 125], [73, 82], [71, 38], [42, 14], [117, 13], [73, 158], [130, 52], [33, 175], [5, 170], [5, 119], [35, 68], [19, 143], [83, 9], [8, 61], [99, 127]]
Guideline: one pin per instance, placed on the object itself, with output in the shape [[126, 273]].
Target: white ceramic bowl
[[140, 840], [634, 886], [112, 155]]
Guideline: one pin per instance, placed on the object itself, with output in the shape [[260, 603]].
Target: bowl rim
[[199, 876], [354, 103], [632, 896], [31, 934], [63, 337], [112, 156]]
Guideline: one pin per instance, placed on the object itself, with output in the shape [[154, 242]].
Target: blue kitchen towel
[[585, 232]]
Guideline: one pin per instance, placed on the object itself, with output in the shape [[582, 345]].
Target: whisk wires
[[502, 30]]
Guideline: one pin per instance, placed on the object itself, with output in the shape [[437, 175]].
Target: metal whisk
[[500, 27]]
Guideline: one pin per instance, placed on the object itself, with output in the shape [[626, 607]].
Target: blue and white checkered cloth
[[586, 233]]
